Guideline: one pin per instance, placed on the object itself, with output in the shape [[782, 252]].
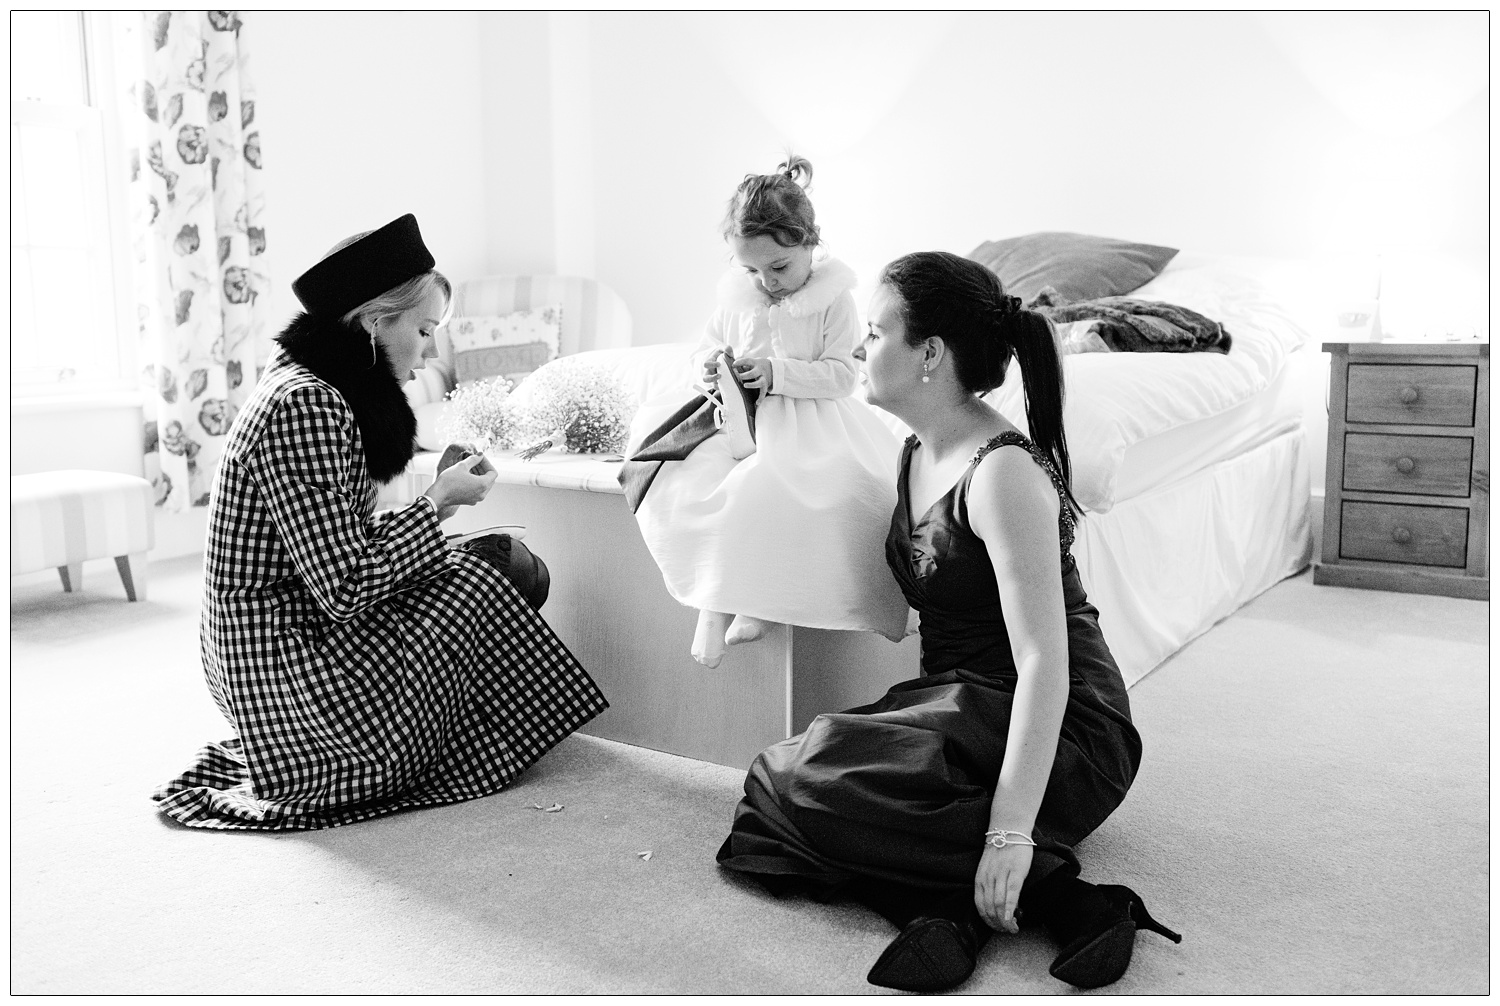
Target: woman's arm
[[303, 466], [834, 373], [1013, 507]]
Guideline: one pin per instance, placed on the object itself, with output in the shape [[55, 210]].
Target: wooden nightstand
[[1408, 489]]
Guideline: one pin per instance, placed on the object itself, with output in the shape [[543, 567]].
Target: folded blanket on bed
[[1138, 326]]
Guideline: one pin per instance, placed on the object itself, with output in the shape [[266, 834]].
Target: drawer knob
[[1401, 536], [1405, 465], [1408, 394]]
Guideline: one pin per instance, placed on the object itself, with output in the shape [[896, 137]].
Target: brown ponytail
[[1030, 336]]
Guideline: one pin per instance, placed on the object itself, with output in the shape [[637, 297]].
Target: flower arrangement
[[481, 414], [582, 400]]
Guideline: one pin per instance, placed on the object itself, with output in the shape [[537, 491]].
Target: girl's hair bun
[[796, 169]]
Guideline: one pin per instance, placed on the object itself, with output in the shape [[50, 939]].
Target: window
[[71, 315]]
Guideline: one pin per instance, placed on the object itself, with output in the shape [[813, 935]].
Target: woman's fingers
[[464, 483], [997, 886], [1010, 898], [985, 901]]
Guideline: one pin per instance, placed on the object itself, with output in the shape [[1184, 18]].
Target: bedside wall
[[945, 130]]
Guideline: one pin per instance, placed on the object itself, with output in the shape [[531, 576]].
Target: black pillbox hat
[[381, 260]]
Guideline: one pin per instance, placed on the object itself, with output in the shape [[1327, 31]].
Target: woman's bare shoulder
[[1009, 483]]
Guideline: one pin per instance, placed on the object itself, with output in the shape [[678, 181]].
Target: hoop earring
[[925, 378]]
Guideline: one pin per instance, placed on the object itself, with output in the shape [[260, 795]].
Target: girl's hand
[[458, 485], [711, 367], [754, 371], [997, 885]]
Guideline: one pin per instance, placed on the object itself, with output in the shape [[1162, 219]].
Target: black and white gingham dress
[[365, 667]]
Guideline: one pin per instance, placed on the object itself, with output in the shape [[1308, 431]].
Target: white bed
[[1192, 469]]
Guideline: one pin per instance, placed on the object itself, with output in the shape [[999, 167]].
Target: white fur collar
[[830, 277]]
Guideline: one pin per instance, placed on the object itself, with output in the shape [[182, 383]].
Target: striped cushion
[[593, 315], [65, 517]]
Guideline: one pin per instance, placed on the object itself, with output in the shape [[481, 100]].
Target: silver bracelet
[[995, 838]]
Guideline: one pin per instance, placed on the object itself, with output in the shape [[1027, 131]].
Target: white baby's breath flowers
[[481, 413], [584, 400]]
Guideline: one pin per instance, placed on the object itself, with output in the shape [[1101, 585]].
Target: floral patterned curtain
[[197, 205]]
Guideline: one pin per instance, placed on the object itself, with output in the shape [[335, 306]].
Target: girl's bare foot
[[745, 629], [708, 640]]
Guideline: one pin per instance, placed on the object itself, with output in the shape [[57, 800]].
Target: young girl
[[793, 532]]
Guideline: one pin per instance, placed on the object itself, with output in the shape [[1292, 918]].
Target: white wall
[[1196, 130], [365, 117], [517, 135], [610, 142]]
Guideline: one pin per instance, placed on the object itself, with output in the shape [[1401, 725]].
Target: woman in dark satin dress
[[951, 804]]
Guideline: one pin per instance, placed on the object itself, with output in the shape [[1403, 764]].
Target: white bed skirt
[[1165, 566]]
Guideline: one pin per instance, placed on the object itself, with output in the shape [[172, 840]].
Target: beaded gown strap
[[1067, 520]]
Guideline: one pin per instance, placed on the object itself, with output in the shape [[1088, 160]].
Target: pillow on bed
[[506, 345], [1077, 266]]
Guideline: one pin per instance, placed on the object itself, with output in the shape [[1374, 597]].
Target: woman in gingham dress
[[365, 667]]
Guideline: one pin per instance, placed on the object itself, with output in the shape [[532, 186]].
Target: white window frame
[[97, 126]]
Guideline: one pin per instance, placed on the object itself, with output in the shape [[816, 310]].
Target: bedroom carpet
[[1312, 815]]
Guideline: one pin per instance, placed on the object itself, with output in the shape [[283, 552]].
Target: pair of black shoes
[[1096, 925]]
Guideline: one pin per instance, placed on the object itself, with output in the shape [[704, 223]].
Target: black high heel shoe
[[1099, 936], [929, 955]]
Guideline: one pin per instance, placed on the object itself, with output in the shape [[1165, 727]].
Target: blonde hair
[[400, 299]]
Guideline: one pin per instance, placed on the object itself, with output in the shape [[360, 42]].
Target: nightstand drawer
[[1390, 532], [1425, 395], [1390, 463]]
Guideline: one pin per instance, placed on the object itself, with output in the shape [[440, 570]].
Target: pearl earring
[[925, 378]]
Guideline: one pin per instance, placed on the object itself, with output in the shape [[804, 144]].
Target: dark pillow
[[1077, 266]]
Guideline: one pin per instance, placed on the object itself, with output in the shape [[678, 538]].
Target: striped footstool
[[63, 518]]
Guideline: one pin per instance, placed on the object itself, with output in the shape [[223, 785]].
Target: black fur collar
[[340, 355]]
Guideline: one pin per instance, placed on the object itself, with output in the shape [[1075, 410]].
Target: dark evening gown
[[894, 797]]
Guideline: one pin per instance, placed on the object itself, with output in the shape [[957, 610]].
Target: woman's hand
[[754, 371], [711, 367], [997, 885], [458, 485]]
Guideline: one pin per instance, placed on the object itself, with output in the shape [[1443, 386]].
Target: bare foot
[[745, 629], [708, 640]]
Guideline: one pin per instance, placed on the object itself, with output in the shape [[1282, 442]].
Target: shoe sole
[[736, 413], [1099, 962], [930, 958]]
